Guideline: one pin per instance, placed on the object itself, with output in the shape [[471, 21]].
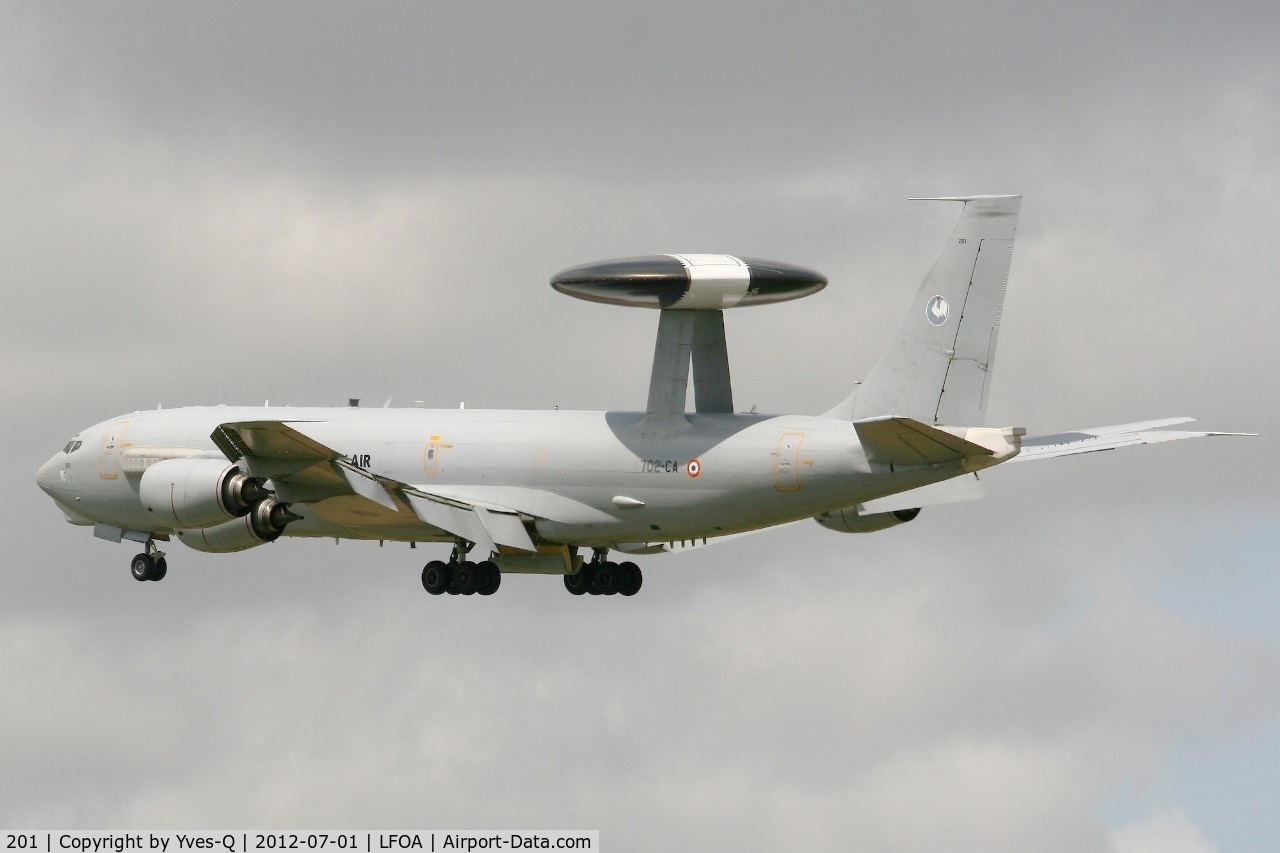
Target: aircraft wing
[[274, 443], [1095, 439], [309, 472]]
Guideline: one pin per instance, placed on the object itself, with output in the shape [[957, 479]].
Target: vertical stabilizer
[[938, 368]]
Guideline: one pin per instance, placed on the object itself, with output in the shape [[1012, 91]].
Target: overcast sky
[[235, 202]]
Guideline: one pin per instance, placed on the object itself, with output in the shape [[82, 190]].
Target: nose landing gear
[[150, 565]]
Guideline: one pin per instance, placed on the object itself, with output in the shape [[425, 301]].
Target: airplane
[[535, 491]]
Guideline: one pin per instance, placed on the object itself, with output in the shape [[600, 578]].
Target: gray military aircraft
[[531, 491]]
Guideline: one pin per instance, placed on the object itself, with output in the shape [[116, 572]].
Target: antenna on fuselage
[[691, 291]]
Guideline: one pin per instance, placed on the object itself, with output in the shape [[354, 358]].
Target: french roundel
[[694, 468]]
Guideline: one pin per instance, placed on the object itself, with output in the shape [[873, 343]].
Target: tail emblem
[[937, 310]]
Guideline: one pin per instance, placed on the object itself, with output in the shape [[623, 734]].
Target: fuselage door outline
[[431, 456], [108, 468], [786, 462]]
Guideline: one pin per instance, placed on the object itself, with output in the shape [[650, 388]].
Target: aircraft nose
[[48, 478]]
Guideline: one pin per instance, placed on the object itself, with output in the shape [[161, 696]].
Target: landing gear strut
[[460, 576], [150, 565], [601, 577]]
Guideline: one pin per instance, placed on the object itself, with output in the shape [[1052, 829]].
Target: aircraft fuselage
[[604, 477]]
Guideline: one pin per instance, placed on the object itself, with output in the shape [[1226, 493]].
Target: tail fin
[[938, 369]]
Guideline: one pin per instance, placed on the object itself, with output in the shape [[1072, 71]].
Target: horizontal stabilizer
[[903, 441], [1094, 439]]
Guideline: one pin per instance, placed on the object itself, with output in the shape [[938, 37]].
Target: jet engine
[[195, 493], [847, 520], [262, 524]]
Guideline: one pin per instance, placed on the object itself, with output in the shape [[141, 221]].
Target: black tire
[[435, 577], [580, 582], [142, 567], [592, 571], [160, 570], [607, 579], [467, 577], [490, 577], [632, 579]]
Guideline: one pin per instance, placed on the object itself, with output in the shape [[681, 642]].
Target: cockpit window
[[72, 446]]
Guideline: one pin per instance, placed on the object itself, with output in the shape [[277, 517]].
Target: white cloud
[[1163, 832]]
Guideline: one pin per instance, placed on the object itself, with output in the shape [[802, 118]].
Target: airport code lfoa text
[[250, 842]]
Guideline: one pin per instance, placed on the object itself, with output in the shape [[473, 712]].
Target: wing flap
[[465, 523], [366, 486], [505, 529]]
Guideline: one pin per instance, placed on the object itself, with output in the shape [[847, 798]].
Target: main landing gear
[[460, 576], [150, 565], [601, 577]]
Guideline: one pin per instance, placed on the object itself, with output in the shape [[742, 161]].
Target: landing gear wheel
[[632, 579], [580, 582], [435, 577], [143, 567], [606, 580], [160, 569], [467, 577], [490, 577]]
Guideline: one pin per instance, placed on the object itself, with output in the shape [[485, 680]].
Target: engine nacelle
[[262, 524], [847, 520], [196, 493]]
